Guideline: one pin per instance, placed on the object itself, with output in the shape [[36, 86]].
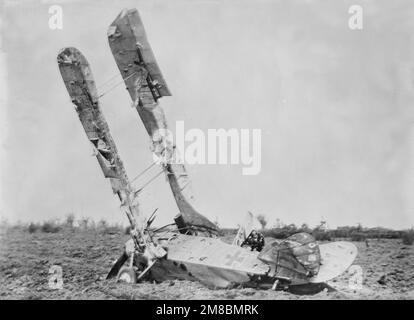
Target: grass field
[[86, 255]]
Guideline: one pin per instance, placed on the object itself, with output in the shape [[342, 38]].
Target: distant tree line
[[70, 223], [278, 231], [322, 233]]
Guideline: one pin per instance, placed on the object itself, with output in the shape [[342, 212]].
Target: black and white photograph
[[206, 150]]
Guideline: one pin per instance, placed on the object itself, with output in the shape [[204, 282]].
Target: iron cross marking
[[233, 258]]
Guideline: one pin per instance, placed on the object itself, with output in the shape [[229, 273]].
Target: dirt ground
[[86, 257]]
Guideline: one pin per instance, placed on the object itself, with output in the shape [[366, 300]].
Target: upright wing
[[79, 82], [145, 84]]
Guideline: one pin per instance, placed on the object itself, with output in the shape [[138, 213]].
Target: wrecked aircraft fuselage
[[190, 250]]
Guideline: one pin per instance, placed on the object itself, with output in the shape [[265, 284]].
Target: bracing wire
[[116, 85], [142, 172], [149, 181], [109, 80]]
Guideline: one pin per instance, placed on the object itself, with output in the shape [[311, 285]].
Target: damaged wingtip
[[69, 55], [124, 12], [113, 26]]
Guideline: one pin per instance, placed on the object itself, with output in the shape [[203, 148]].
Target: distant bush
[[281, 232], [92, 225], [358, 236], [227, 232], [262, 220], [50, 227], [408, 237], [103, 227], [83, 223], [113, 229], [32, 228], [369, 233], [289, 230], [320, 235], [4, 223], [305, 228], [70, 220], [102, 224]]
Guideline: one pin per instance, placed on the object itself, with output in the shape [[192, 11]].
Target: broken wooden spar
[[79, 82], [146, 85]]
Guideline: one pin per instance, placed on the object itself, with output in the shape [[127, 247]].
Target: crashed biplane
[[191, 250]]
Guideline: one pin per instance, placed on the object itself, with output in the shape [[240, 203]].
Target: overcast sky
[[334, 106]]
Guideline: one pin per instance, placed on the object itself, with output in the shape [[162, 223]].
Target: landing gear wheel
[[127, 275]]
